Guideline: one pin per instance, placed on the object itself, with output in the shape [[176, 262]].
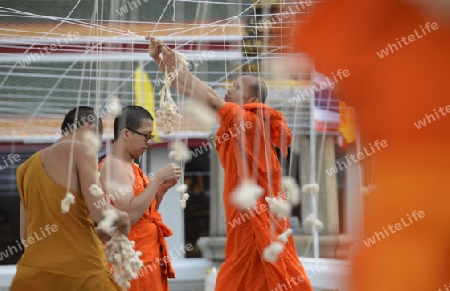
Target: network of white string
[[100, 81]]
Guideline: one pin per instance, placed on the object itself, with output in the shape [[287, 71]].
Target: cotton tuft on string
[[279, 206], [202, 114], [123, 258], [272, 251], [311, 188], [65, 203], [92, 140], [179, 151], [114, 107], [312, 220], [292, 189], [168, 109], [109, 217], [96, 190], [246, 195], [182, 188], [183, 200], [285, 235]]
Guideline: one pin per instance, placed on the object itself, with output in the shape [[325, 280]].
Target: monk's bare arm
[[185, 83], [86, 164], [123, 192], [163, 190], [23, 221]]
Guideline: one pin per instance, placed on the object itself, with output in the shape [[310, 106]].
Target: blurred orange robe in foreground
[[249, 233], [391, 95], [149, 234], [70, 258]]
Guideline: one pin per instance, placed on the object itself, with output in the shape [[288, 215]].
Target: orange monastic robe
[[149, 234], [67, 257], [402, 98], [245, 144]]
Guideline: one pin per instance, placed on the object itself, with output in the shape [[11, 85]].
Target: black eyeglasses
[[147, 137]]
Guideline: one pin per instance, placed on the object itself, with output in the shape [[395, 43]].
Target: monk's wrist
[[157, 179]]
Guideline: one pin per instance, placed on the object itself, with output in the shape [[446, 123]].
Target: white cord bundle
[[124, 259], [168, 108]]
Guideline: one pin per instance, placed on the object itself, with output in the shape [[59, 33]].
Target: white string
[[28, 49]]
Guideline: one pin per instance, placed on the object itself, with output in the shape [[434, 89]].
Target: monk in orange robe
[[397, 55], [245, 144], [132, 191], [63, 250]]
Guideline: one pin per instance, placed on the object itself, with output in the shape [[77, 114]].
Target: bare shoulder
[[111, 163], [114, 168]]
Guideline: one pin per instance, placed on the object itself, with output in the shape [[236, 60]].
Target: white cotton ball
[[175, 155], [65, 203], [92, 140], [182, 204], [279, 207], [185, 196], [96, 190], [272, 251], [109, 217], [293, 193], [312, 220], [285, 235], [312, 188], [182, 188], [203, 115], [246, 195], [183, 152], [114, 107], [318, 225]]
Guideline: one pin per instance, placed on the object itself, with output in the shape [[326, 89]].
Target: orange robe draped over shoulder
[[149, 234], [70, 258], [245, 144], [400, 96]]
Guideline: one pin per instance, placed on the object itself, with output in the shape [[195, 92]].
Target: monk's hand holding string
[[170, 173], [162, 54], [155, 48]]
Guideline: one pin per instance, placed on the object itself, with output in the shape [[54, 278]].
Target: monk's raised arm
[[185, 82]]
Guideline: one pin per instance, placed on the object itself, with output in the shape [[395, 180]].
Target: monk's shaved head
[[257, 88]]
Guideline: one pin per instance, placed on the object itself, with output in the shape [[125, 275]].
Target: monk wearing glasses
[[130, 190]]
